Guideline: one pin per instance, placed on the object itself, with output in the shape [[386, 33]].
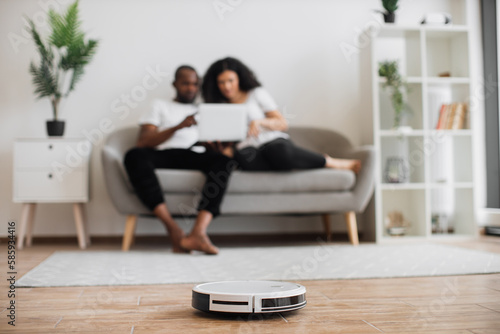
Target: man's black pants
[[140, 164]]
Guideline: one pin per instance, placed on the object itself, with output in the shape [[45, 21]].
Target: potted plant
[[63, 57], [390, 7], [397, 86]]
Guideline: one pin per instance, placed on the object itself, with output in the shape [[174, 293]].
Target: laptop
[[222, 122]]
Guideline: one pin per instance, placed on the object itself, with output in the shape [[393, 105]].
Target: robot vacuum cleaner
[[249, 297]]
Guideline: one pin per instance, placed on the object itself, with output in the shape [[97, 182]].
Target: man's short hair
[[181, 68]]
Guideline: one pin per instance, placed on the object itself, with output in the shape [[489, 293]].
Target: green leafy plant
[[63, 56], [395, 83], [390, 5]]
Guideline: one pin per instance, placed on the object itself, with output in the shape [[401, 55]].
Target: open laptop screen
[[222, 122]]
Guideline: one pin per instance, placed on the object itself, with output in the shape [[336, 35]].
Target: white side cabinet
[[51, 170]]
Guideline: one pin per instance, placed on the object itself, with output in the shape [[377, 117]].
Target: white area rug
[[89, 268]]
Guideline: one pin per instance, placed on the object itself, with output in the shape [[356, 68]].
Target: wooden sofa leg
[[326, 225], [352, 227], [128, 236]]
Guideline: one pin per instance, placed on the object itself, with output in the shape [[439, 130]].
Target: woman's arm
[[274, 120], [149, 136]]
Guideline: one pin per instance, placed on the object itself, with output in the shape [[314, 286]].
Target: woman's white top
[[167, 114], [259, 101]]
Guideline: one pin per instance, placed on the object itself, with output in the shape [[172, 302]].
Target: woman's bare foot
[[176, 237], [349, 164], [199, 242]]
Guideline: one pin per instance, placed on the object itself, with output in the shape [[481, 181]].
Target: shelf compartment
[[446, 93], [452, 212], [402, 45], [412, 117], [411, 203], [450, 160], [410, 149], [446, 53]]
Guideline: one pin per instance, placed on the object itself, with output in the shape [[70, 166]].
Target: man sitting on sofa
[[165, 140]]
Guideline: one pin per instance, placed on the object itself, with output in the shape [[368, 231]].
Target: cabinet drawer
[[40, 154], [39, 186]]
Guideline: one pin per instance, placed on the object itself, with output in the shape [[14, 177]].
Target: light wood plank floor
[[454, 304]]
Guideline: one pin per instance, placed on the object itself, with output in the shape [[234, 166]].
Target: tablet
[[222, 122]]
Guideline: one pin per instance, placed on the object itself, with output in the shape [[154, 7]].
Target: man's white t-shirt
[[167, 114], [259, 101]]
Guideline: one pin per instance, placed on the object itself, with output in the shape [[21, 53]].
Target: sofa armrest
[[125, 201], [365, 180]]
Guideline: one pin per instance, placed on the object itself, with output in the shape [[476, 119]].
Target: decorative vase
[[396, 170], [389, 17], [55, 128]]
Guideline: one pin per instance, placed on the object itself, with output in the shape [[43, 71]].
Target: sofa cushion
[[314, 180]]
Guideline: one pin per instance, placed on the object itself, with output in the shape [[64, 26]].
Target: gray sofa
[[318, 191]]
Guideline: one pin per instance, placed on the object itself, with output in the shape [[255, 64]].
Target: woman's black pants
[[280, 155]]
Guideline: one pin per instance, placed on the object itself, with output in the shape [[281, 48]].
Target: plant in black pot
[[390, 7], [63, 57], [397, 88]]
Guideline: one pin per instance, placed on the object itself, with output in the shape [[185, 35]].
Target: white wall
[[294, 46]]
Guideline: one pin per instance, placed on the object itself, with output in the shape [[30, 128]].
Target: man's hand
[[187, 122]]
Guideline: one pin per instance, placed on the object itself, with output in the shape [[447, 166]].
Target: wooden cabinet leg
[[80, 227], [326, 226], [129, 233], [27, 215], [352, 227], [29, 229], [86, 225]]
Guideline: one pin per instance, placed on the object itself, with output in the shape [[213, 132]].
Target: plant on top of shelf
[[63, 57], [390, 7], [397, 86]]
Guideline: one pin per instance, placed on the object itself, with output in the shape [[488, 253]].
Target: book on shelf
[[442, 116], [452, 116]]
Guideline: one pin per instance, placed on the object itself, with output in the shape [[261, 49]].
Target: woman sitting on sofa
[[266, 147]]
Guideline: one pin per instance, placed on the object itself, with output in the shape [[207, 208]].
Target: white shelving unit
[[440, 161]]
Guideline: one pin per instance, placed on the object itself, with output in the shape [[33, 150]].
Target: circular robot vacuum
[[249, 297]]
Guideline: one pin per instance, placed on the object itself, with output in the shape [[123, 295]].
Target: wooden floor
[[454, 304]]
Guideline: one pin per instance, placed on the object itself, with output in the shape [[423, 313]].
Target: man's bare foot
[[176, 237], [349, 164], [199, 242]]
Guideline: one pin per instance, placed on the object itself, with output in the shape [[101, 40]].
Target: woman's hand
[[254, 128], [274, 121]]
